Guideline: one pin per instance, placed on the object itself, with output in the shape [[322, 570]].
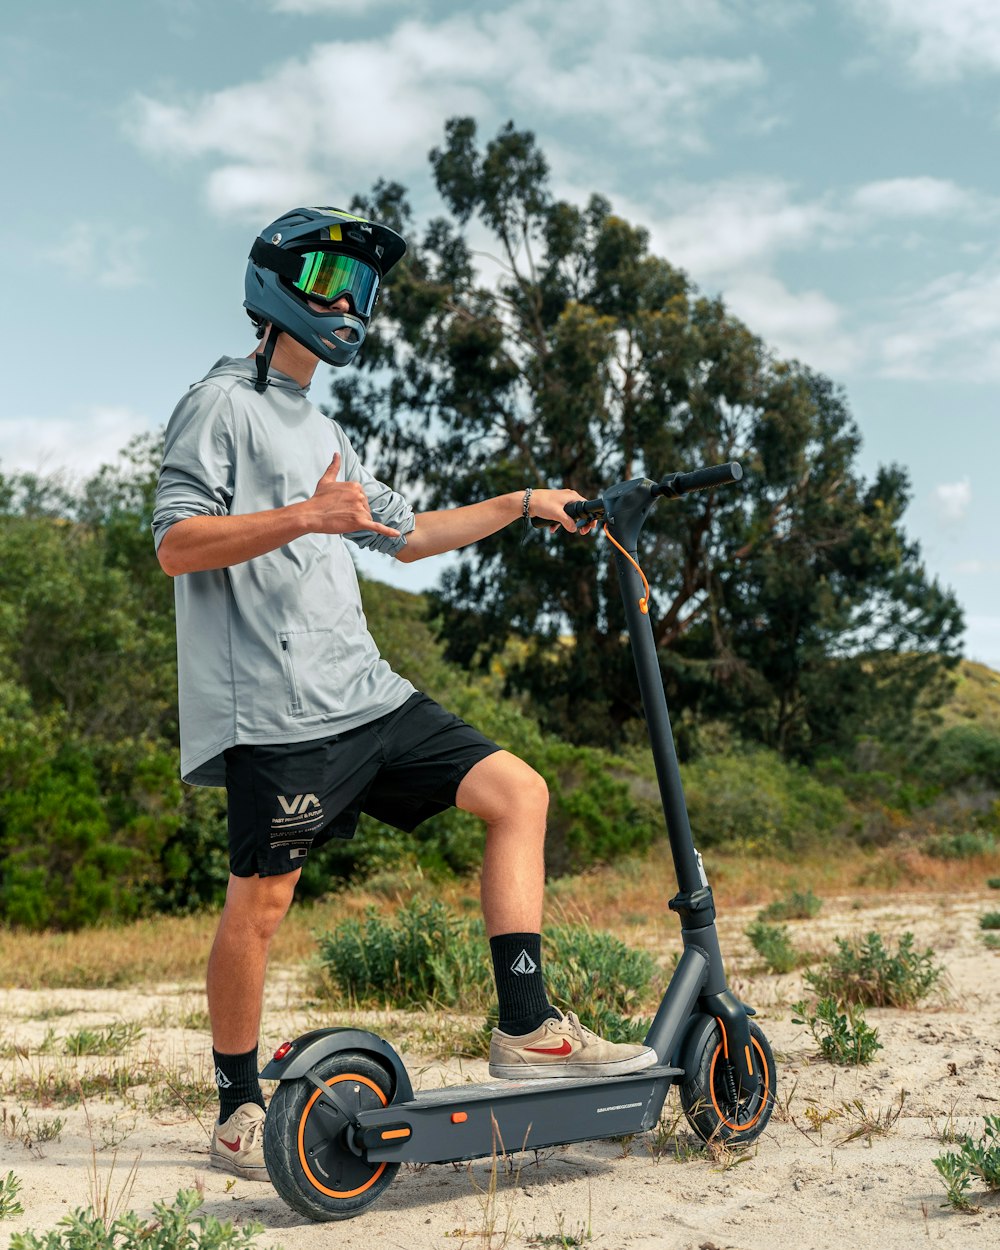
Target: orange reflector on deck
[[458, 1117], [395, 1132]]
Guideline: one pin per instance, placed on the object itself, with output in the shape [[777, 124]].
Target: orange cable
[[644, 601]]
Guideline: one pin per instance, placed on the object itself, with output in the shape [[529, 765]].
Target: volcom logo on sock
[[221, 1079], [524, 965]]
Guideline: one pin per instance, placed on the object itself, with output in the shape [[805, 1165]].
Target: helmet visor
[[327, 276]]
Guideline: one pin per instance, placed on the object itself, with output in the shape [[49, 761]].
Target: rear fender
[[306, 1051]]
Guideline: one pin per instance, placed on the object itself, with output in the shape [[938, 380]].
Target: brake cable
[[644, 601]]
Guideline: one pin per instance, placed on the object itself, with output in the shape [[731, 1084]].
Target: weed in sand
[[112, 1039], [564, 1237], [868, 1124], [179, 1090], [10, 1203], [798, 905], [171, 1226], [973, 1159], [991, 941], [66, 1087], [839, 1030], [774, 946], [118, 1129], [865, 971], [993, 883], [670, 1138], [32, 1134], [991, 920]]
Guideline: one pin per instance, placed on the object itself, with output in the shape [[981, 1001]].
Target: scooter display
[[345, 1115]]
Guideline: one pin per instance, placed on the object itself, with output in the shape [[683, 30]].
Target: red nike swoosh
[[564, 1048], [233, 1145]]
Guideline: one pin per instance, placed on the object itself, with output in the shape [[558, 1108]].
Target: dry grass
[[629, 898]]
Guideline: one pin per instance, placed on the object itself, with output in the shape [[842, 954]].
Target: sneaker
[[562, 1047], [238, 1145]]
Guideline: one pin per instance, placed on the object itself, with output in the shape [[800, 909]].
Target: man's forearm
[[436, 532], [199, 543]]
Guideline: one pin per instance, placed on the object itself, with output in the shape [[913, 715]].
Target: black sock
[[517, 967], [236, 1077]]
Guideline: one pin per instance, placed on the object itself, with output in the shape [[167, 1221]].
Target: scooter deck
[[472, 1121]]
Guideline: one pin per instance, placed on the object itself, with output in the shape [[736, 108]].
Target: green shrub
[[774, 946], [755, 801], [990, 920], [865, 971], [993, 883], [840, 1031], [964, 753], [965, 845], [795, 906], [427, 956], [973, 1159], [171, 1228]]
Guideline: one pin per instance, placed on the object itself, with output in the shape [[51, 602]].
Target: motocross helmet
[[315, 256]]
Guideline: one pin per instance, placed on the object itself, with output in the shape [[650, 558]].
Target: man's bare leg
[[255, 907]]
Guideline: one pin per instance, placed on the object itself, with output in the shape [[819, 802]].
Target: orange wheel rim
[[724, 1119], [323, 1189]]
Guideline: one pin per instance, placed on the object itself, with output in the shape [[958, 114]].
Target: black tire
[[307, 1157], [707, 1092]]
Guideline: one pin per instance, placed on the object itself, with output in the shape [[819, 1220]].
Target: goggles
[[326, 276]]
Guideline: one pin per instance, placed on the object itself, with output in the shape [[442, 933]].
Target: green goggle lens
[[329, 275]]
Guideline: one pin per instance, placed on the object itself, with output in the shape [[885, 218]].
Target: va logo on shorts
[[299, 805], [524, 965]]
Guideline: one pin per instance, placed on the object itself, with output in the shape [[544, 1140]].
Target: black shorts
[[287, 798]]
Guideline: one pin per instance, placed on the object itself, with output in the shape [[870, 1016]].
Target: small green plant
[[839, 1030], [993, 883], [991, 920], [773, 945], [974, 1159], [10, 1203], [32, 1134], [794, 906], [113, 1039], [991, 941], [171, 1226], [869, 1124], [866, 972]]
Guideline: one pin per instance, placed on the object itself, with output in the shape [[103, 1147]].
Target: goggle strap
[[269, 256]]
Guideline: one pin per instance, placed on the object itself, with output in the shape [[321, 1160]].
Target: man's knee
[[503, 786], [260, 903]]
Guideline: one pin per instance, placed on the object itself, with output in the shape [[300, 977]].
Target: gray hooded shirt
[[276, 649]]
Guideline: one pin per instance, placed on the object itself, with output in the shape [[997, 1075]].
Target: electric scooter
[[345, 1116]]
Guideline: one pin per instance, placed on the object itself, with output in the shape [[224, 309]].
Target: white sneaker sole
[[249, 1172]]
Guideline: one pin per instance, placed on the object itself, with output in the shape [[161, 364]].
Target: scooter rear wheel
[[308, 1158], [709, 1097]]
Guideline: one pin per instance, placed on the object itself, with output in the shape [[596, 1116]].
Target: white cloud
[[939, 39], [951, 501], [950, 326], [101, 255], [374, 107], [85, 440], [914, 197]]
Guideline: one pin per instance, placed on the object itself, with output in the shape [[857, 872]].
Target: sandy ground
[[804, 1186]]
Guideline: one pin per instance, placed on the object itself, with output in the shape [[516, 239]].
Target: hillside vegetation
[[95, 825]]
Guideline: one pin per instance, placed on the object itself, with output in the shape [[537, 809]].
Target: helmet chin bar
[[328, 345]]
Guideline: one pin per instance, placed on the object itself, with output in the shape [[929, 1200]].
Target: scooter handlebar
[[673, 485], [676, 484]]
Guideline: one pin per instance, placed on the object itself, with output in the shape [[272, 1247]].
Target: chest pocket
[[312, 672]]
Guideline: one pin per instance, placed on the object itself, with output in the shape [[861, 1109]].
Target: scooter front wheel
[[308, 1157], [710, 1098]]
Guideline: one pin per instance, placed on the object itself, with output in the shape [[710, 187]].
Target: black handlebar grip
[[699, 479], [576, 510]]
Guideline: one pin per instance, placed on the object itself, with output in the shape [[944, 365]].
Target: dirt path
[[811, 1184]]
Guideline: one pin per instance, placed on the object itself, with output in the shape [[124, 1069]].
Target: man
[[283, 696]]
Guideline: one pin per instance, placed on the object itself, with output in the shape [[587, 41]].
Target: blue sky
[[825, 166]]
